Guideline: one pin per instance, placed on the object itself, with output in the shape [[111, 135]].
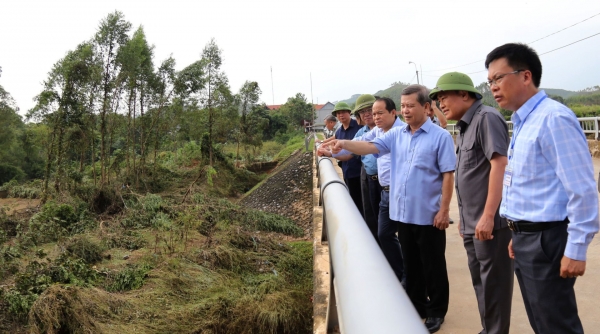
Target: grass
[[295, 143], [214, 268]]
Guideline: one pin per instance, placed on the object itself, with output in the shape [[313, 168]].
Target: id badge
[[508, 176]]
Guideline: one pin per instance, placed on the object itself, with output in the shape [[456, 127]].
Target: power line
[[539, 39], [554, 33], [564, 46], [547, 52]]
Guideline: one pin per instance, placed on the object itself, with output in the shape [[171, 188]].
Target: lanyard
[[518, 130]]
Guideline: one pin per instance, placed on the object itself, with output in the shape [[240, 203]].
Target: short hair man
[[384, 114], [363, 111], [482, 145], [423, 158], [436, 116], [548, 196], [351, 167], [330, 123]]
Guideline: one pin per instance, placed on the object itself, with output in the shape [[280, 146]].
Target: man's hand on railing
[[337, 146], [324, 151]]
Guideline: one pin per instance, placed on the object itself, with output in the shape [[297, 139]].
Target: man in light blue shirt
[[384, 114], [364, 115], [549, 196], [422, 161]]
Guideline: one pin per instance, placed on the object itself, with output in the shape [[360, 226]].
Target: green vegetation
[[205, 262], [135, 166]]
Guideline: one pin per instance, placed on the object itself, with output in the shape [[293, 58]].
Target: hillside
[[394, 92], [184, 260], [565, 94]]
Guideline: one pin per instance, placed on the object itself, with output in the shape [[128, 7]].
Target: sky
[[347, 47]]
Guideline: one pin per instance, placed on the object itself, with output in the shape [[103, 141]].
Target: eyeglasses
[[364, 111], [498, 80]]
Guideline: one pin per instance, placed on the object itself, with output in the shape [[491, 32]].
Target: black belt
[[373, 177], [386, 188], [527, 226]]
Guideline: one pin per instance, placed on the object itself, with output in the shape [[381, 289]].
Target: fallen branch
[[202, 171]]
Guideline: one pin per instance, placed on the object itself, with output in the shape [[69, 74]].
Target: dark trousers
[[370, 212], [549, 299], [423, 249], [492, 274], [353, 184], [388, 240]]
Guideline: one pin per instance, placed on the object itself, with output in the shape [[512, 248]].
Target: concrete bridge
[[463, 316]]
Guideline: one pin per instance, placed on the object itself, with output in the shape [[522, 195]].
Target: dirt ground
[[18, 205]]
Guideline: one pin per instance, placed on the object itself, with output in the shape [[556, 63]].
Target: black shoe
[[451, 221], [434, 324]]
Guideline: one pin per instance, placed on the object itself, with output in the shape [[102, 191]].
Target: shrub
[[8, 172], [128, 239], [84, 248], [55, 221], [32, 189], [129, 278]]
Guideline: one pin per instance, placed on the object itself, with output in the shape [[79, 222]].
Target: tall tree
[[137, 74], [110, 37], [298, 110], [63, 103], [11, 126], [215, 80], [248, 97]]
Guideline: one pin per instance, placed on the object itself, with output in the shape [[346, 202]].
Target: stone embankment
[[287, 191]]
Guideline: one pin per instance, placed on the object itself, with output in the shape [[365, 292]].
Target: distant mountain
[[351, 101], [565, 94], [395, 90]]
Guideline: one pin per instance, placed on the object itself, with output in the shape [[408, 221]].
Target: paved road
[[463, 316]]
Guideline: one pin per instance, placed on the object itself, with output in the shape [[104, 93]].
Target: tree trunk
[[210, 148], [49, 159], [128, 155], [142, 144], [59, 155]]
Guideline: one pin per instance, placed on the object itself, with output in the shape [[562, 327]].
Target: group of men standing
[[527, 204]]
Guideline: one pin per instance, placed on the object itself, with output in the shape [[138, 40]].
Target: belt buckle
[[511, 225]]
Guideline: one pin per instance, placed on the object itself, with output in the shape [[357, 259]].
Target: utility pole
[[272, 90], [312, 117], [410, 62]]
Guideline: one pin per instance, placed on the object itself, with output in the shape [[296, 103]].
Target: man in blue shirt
[[384, 113], [351, 167], [422, 161], [363, 114], [548, 197]]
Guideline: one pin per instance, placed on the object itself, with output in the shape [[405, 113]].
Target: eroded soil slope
[[288, 191]]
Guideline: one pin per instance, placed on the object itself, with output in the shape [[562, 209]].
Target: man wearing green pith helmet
[[482, 145], [350, 167]]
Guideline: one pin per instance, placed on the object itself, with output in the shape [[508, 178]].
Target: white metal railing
[[365, 295], [589, 125]]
